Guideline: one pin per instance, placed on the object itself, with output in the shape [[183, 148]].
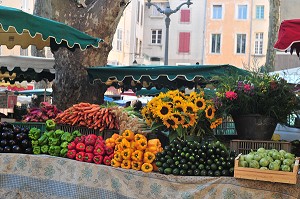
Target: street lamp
[[168, 11]]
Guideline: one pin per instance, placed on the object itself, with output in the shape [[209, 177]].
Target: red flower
[[231, 95]]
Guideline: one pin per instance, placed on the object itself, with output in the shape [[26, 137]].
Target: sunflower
[[190, 120], [193, 95], [216, 123], [200, 103], [163, 110], [179, 117], [191, 107], [180, 107], [148, 121], [210, 112], [177, 99], [173, 93], [171, 122]]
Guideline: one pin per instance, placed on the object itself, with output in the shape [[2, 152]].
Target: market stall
[[52, 177]]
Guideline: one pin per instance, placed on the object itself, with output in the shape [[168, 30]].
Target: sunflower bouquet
[[181, 115]]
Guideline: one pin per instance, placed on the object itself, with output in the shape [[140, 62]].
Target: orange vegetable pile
[[88, 115], [134, 151]]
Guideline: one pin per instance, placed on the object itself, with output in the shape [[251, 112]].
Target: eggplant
[[3, 143], [12, 142], [26, 143], [7, 125], [4, 135], [17, 130], [10, 135], [28, 150], [1, 149], [7, 149], [21, 136], [16, 149]]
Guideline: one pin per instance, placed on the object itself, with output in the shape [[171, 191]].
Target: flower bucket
[[254, 127]]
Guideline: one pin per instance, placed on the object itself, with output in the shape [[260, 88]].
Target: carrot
[[75, 120]]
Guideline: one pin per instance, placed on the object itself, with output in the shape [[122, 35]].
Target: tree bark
[[272, 34], [99, 19]]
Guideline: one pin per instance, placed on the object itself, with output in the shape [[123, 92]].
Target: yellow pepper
[[110, 142], [152, 149], [115, 163], [141, 144], [136, 165], [147, 167], [126, 164], [126, 154], [118, 156], [128, 134], [149, 157], [118, 148], [139, 137], [115, 136], [125, 144], [118, 140], [154, 143], [132, 145], [137, 155]]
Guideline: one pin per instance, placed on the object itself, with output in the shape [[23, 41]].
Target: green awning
[[171, 77], [20, 28]]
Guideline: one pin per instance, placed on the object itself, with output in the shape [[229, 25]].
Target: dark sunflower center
[[199, 103], [178, 117], [179, 109], [209, 112], [164, 110], [171, 122], [189, 109]]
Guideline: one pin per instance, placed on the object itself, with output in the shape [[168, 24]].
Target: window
[[156, 36], [259, 38], [23, 52], [142, 14], [155, 11], [185, 16], [138, 13], [241, 44], [184, 42], [242, 11], [119, 39], [260, 12], [215, 43], [217, 12]]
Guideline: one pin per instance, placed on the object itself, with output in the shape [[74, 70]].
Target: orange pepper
[[115, 136], [152, 149], [126, 154], [147, 167], [137, 155], [149, 157], [132, 145], [141, 144], [136, 165], [128, 134], [126, 164], [119, 140], [115, 163], [125, 144], [118, 156], [139, 137], [154, 143]]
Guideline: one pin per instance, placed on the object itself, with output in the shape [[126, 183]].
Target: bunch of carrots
[[88, 115]]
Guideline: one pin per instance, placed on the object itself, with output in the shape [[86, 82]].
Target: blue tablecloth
[[41, 176]]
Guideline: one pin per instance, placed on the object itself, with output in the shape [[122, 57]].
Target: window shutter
[[185, 16], [184, 42]]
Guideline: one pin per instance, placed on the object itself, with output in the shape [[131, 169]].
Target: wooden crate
[[266, 175]]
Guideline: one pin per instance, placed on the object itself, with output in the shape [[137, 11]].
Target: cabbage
[[254, 164], [274, 166], [264, 162], [282, 152], [285, 168], [264, 168], [276, 155], [289, 156], [242, 158], [278, 162], [261, 150], [257, 157], [270, 159], [243, 163], [249, 157], [288, 162]]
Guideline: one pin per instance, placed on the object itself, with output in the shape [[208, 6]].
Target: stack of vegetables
[[88, 115], [14, 139], [133, 151], [52, 142], [43, 113], [90, 148]]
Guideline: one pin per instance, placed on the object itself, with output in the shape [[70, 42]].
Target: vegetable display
[[90, 148], [268, 160], [14, 139], [195, 159], [88, 115], [45, 112], [134, 151]]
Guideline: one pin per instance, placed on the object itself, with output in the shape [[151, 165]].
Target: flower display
[[181, 114], [267, 95]]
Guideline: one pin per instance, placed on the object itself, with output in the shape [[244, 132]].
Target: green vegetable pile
[[268, 160], [195, 159], [52, 142]]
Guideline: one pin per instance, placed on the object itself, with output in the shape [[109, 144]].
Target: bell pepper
[[126, 154], [141, 144], [118, 156], [88, 157], [99, 150], [80, 156], [147, 167], [126, 164], [110, 142], [76, 133], [43, 140], [63, 152], [34, 143], [50, 125], [34, 133], [78, 140], [98, 159], [149, 157], [90, 139], [49, 133], [109, 150], [118, 148], [36, 150], [128, 134], [71, 145], [71, 154], [119, 140], [136, 165], [107, 160], [137, 156], [53, 141], [64, 144], [100, 142], [89, 149], [67, 137], [115, 163], [80, 147], [58, 133], [125, 144], [132, 145], [154, 143], [99, 137], [54, 150], [44, 149], [138, 137]]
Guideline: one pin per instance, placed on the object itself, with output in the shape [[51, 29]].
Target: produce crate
[[245, 146], [266, 175], [39, 125]]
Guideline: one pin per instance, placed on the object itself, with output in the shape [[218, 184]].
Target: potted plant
[[256, 102], [181, 115]]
